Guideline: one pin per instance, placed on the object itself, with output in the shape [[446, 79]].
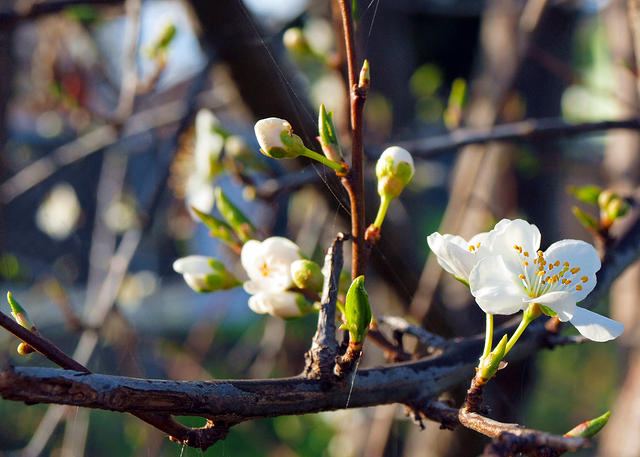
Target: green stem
[[521, 327], [338, 167], [382, 211], [488, 336]]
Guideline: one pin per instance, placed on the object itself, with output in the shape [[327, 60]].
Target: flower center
[[264, 269], [474, 249], [540, 276]]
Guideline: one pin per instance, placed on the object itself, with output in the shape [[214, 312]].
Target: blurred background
[[98, 105]]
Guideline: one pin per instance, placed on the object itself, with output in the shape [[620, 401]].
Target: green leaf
[[238, 221], [587, 194], [219, 229], [585, 219]]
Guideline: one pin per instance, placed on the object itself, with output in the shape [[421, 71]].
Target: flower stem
[[488, 336], [382, 211], [337, 167]]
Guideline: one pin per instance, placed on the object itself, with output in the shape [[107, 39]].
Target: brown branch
[[354, 183], [195, 437], [527, 130], [320, 359]]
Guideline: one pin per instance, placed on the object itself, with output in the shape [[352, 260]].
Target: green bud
[[295, 41], [617, 208], [394, 170], [589, 428], [605, 197], [489, 365], [19, 313], [307, 274], [327, 135], [365, 76], [163, 41], [357, 311], [219, 229], [234, 217]]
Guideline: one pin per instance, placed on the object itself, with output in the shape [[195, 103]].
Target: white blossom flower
[[513, 273], [268, 265], [279, 304], [268, 132], [456, 255]]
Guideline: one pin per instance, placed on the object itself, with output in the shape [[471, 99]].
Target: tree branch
[[530, 129]]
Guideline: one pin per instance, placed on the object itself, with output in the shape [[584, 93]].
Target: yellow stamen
[[525, 253], [525, 263], [472, 248], [584, 279], [556, 263], [578, 287], [522, 276], [574, 270]]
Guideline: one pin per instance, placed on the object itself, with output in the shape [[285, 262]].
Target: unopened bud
[[605, 197], [204, 274], [295, 41], [490, 364], [589, 428], [307, 274], [357, 311], [365, 77], [328, 137], [277, 140], [394, 170], [19, 313], [24, 349], [617, 208]]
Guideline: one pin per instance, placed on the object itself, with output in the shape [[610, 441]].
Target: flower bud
[[328, 137], [357, 311], [204, 274], [24, 349], [234, 217], [284, 304], [19, 313], [490, 364], [295, 41], [589, 428], [365, 77], [605, 197], [616, 208], [163, 40], [277, 140], [307, 274], [394, 170]]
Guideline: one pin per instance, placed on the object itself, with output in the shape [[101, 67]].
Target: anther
[[584, 279], [522, 276], [578, 287]]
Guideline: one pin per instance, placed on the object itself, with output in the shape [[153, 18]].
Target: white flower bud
[[394, 170], [272, 134]]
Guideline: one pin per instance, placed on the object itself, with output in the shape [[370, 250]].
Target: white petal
[[281, 247], [397, 155], [495, 288], [452, 253], [251, 258], [507, 234], [562, 302], [280, 304], [595, 326], [197, 282], [268, 132], [578, 254], [192, 264], [199, 193]]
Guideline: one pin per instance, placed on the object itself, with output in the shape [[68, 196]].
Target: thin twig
[[527, 130], [431, 340]]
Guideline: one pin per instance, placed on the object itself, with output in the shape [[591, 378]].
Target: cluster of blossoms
[[506, 273]]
